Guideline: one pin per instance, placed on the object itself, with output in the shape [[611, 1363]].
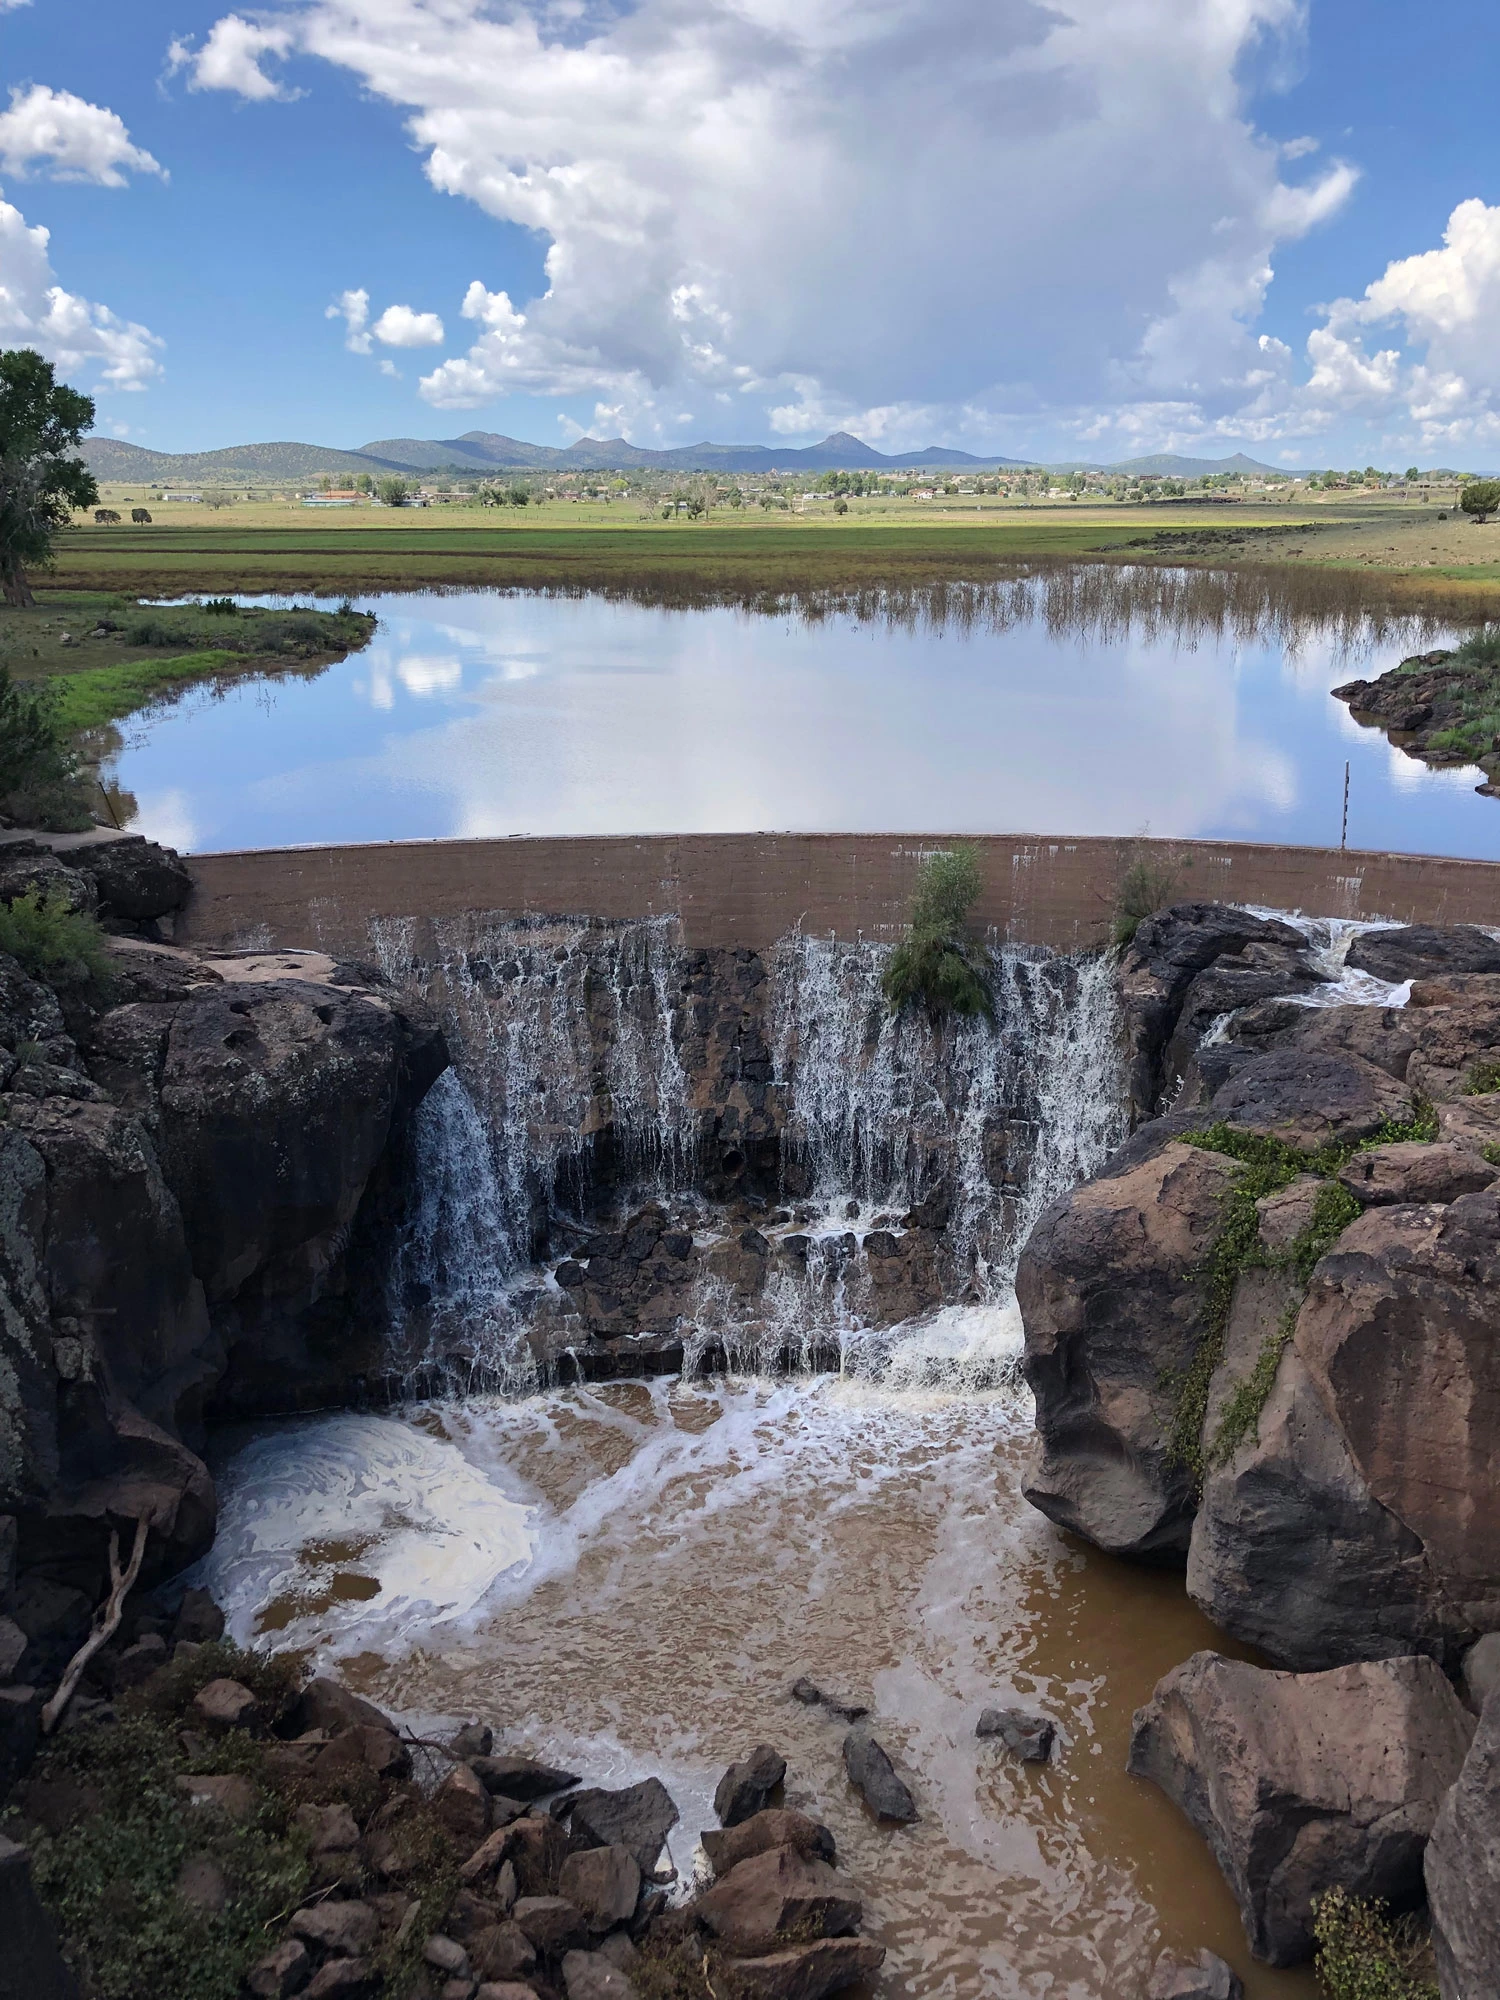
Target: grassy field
[[746, 553]]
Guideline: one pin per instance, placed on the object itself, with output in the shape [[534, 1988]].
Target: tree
[[1481, 499], [1413, 472], [393, 492], [42, 478], [939, 962]]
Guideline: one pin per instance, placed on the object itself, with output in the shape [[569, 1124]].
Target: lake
[[1082, 700]]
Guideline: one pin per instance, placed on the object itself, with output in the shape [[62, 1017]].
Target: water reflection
[[1051, 699]]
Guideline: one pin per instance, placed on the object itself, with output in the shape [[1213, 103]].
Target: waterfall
[[570, 1106]]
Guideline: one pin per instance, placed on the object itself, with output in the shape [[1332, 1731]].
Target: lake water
[[1084, 701]]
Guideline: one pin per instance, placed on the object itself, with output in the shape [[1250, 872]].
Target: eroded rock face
[[1362, 1517], [1463, 1871], [1111, 1316], [1305, 1782]]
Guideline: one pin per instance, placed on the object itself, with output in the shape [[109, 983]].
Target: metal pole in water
[[1344, 830]]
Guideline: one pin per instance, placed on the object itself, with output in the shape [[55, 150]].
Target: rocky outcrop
[[1423, 951], [1305, 1782], [1362, 1516], [1184, 968], [1463, 1871], [1113, 1319]]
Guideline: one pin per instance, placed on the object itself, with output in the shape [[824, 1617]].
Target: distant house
[[925, 493], [329, 500], [196, 497]]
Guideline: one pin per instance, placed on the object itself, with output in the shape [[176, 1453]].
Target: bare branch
[[106, 1621]]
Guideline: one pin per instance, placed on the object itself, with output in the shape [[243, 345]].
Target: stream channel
[[625, 1577]]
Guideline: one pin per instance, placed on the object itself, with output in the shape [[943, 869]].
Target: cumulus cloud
[[231, 57], [935, 215], [1445, 304], [399, 326], [353, 308], [78, 335], [70, 138]]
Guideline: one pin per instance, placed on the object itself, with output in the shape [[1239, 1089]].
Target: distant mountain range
[[488, 452]]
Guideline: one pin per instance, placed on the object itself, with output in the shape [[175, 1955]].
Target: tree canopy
[[42, 478], [1481, 499]]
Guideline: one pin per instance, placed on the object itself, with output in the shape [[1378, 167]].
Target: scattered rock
[[1030, 1737], [475, 1739], [349, 1929], [445, 1955], [873, 1776], [504, 1989], [726, 1847], [200, 1882], [812, 1696], [462, 1806], [808, 1971], [324, 1705], [343, 1979], [33, 1967], [330, 1829], [199, 1620], [225, 1704], [638, 1817], [1463, 1871], [137, 1663], [552, 1923], [746, 1787], [502, 1952], [1410, 1171], [777, 1898], [12, 1647], [1203, 1977], [604, 1883], [520, 1778], [589, 1975], [281, 1973], [1305, 1782]]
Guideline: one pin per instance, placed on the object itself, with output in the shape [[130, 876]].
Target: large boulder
[[778, 1898], [1112, 1318], [136, 879], [1463, 1871], [1305, 1782], [1360, 1516], [1423, 951], [1186, 966]]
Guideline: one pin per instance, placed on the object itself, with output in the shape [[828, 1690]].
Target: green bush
[[1481, 498], [939, 963], [151, 630], [1364, 1954], [1148, 885], [1480, 649], [221, 607], [53, 941], [40, 784]]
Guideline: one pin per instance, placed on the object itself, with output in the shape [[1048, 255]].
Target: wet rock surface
[[1305, 1782]]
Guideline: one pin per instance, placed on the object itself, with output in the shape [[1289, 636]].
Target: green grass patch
[[1366, 1954], [99, 695], [1483, 1078]]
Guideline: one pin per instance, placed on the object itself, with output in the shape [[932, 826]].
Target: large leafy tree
[[42, 478]]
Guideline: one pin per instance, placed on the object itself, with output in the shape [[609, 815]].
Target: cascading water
[[569, 1100]]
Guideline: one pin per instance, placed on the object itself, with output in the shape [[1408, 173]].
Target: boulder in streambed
[[812, 1696], [777, 1898], [637, 1817], [726, 1847], [1463, 1871], [873, 1776], [1029, 1737], [746, 1787], [522, 1778], [1202, 1977], [1305, 1782], [604, 1883], [1113, 1320], [808, 1971]]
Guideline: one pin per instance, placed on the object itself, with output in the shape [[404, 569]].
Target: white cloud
[[945, 216], [73, 139], [1442, 387], [79, 336], [353, 308], [399, 326], [231, 58]]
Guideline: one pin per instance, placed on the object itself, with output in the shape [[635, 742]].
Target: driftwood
[[106, 1621]]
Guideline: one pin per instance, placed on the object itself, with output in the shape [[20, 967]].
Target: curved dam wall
[[746, 890]]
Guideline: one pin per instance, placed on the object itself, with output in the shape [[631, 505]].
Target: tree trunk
[[17, 589]]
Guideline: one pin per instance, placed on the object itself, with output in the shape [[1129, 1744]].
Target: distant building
[[182, 496], [328, 500]]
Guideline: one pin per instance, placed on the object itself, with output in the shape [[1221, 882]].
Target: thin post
[[1344, 830]]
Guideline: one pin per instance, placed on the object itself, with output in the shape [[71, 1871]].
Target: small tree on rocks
[[940, 963]]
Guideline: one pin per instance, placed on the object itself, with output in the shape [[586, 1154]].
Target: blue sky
[[1092, 228]]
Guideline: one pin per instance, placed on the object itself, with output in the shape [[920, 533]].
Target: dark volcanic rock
[[638, 1817], [1361, 1517], [521, 1777], [1305, 1782], [1238, 959], [812, 1696], [1463, 1871], [1383, 1176], [31, 1966], [1204, 1977], [777, 1898], [1110, 1321], [135, 878], [808, 1971], [873, 1776], [777, 1826], [746, 1787], [1029, 1737], [1310, 1098], [1424, 951]]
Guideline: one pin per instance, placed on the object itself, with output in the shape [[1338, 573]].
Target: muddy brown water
[[627, 1579]]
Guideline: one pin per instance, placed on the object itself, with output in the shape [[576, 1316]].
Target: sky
[[1041, 228]]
